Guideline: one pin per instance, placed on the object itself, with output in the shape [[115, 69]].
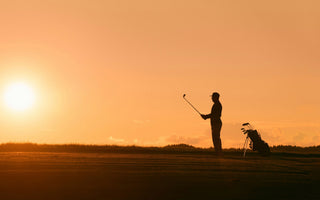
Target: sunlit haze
[[19, 96], [114, 71]]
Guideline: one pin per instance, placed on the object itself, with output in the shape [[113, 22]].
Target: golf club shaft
[[192, 106]]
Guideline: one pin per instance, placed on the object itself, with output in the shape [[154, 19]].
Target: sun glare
[[19, 96]]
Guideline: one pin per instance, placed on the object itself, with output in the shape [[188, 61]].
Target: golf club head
[[184, 95]]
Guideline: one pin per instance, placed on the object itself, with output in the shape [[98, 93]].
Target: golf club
[[184, 96]]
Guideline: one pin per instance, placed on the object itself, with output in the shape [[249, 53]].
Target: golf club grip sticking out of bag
[[184, 97]]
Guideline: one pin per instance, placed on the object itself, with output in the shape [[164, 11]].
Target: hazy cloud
[[135, 141], [116, 140], [193, 140], [290, 133], [303, 134]]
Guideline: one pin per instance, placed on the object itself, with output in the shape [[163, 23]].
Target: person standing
[[216, 122]]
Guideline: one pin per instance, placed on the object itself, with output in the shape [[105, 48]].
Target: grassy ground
[[176, 148], [158, 175]]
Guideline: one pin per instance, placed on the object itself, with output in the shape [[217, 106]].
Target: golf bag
[[256, 143]]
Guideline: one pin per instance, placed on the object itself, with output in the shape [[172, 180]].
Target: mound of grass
[[296, 149], [173, 148], [81, 148]]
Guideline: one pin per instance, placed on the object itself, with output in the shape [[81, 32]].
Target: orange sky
[[113, 72]]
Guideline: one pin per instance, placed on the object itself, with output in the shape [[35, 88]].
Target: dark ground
[[36, 175]]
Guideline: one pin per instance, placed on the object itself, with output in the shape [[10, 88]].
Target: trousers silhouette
[[215, 130]]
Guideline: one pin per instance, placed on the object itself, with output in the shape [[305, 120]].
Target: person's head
[[215, 96]]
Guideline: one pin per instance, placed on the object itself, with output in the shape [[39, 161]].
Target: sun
[[19, 96]]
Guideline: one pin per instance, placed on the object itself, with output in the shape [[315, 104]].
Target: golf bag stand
[[245, 146]]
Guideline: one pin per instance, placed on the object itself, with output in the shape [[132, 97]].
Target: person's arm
[[206, 116]]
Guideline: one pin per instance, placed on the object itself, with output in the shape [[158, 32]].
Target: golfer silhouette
[[216, 122]]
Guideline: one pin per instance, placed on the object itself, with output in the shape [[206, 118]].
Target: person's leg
[[217, 143], [216, 137]]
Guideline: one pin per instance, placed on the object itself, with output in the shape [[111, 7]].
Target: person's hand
[[203, 116]]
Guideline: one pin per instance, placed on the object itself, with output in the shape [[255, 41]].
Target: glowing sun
[[19, 96]]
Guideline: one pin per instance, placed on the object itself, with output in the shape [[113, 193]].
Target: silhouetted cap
[[215, 94]]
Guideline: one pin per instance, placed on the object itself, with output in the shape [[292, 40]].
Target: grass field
[[156, 174]]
